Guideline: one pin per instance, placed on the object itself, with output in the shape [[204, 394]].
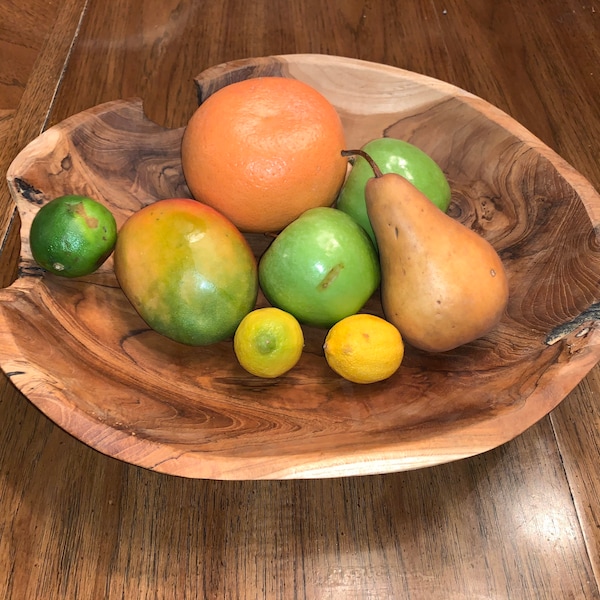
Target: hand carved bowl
[[81, 354]]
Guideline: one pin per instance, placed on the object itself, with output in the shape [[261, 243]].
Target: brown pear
[[442, 284]]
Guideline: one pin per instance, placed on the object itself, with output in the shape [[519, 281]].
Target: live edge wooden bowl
[[81, 354]]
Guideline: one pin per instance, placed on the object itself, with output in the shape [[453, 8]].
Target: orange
[[264, 150]]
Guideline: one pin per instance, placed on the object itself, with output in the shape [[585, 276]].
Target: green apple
[[392, 156], [321, 268]]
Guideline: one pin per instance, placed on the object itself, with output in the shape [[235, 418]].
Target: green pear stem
[[372, 163]]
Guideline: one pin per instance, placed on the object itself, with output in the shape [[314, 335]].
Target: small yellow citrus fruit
[[72, 235], [364, 348], [268, 342]]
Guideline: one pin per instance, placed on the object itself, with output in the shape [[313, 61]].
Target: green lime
[[72, 235]]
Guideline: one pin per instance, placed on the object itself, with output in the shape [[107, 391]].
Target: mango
[[187, 270]]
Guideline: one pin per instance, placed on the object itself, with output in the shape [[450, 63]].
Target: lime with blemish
[[72, 235]]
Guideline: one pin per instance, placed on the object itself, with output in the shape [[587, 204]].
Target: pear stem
[[363, 154]]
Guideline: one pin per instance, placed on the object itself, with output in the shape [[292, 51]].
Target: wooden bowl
[[81, 354]]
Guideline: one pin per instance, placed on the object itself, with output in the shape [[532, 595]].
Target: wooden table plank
[[530, 71], [45, 65], [577, 425], [88, 526], [520, 521], [23, 32]]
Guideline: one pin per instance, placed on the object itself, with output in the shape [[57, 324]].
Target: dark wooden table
[[521, 521]]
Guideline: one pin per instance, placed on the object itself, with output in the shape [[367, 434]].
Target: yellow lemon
[[364, 348], [268, 342]]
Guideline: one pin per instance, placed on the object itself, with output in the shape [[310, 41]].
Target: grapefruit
[[264, 150]]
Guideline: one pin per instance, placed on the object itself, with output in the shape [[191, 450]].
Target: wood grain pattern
[[22, 36], [46, 32], [219, 422], [519, 521]]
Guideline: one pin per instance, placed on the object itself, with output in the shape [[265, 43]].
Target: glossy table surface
[[521, 521]]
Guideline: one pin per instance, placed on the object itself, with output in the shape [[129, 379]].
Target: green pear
[[392, 156]]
